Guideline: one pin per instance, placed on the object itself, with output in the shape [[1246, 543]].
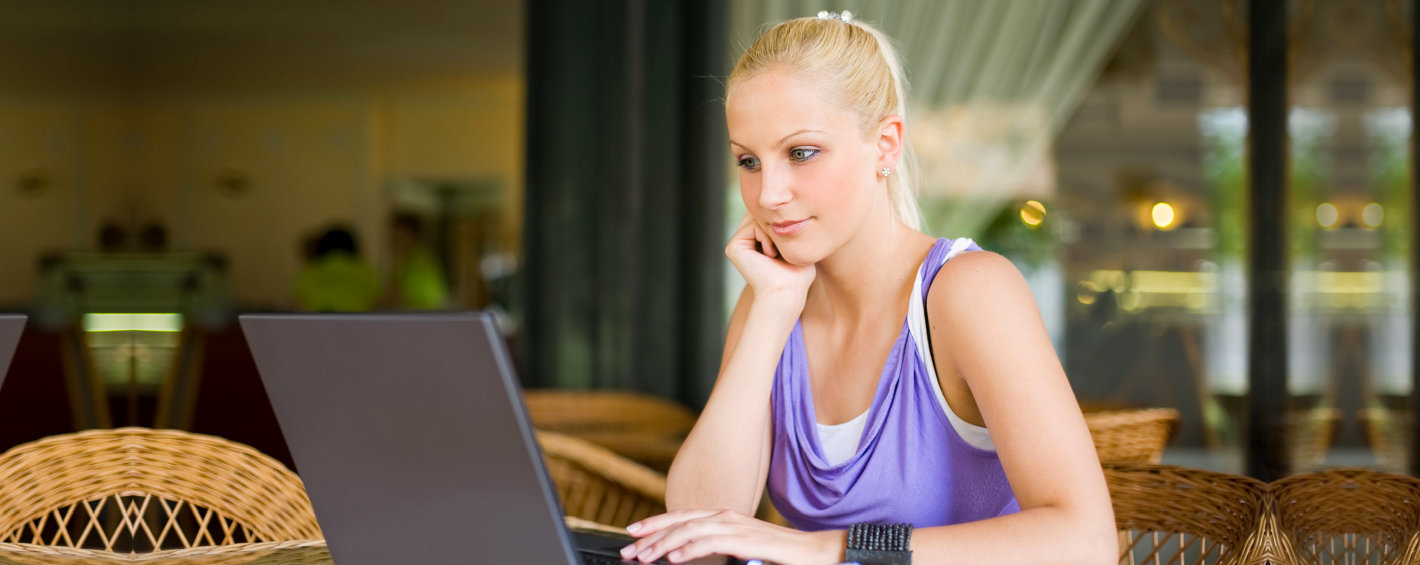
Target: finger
[[653, 529], [717, 525], [745, 237], [670, 542], [760, 239], [747, 220], [664, 542], [705, 547], [768, 243], [744, 223], [631, 552], [663, 521], [738, 536]]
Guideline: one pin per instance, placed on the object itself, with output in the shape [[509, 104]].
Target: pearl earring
[[885, 171]]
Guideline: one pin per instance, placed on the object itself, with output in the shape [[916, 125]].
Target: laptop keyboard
[[596, 559], [593, 557], [599, 558], [601, 549]]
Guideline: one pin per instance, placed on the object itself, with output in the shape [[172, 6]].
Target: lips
[[789, 228]]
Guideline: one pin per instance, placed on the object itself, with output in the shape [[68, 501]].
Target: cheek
[[842, 181], [749, 190]]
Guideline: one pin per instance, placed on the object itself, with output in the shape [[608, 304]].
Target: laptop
[[11, 326], [411, 436]]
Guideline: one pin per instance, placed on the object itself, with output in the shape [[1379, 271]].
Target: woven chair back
[[1311, 434], [136, 490], [307, 552], [1132, 436], [576, 412], [598, 485], [642, 428], [1387, 433], [1348, 516], [1182, 516]]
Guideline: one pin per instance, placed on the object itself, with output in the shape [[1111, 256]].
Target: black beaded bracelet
[[879, 544]]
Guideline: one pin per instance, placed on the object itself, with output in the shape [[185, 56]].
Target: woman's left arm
[[986, 328]]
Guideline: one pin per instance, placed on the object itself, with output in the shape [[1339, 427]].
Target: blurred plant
[[1023, 232], [1388, 133], [1309, 170], [1224, 137], [1224, 144]]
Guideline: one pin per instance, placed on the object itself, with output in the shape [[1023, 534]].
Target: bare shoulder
[[983, 266], [983, 303], [978, 289], [970, 277]]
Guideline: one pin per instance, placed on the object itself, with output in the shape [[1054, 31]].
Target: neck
[[865, 277]]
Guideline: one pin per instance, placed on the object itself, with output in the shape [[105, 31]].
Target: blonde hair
[[857, 67]]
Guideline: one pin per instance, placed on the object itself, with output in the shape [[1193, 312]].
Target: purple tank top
[[911, 465]]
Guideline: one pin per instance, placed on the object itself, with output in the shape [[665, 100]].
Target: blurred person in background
[[113, 238], [417, 281], [153, 238], [336, 278]]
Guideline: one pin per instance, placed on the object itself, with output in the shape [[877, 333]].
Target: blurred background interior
[[166, 165]]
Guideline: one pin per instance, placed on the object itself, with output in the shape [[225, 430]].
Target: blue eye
[[802, 153], [749, 163]]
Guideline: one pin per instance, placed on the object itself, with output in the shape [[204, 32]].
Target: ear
[[889, 141]]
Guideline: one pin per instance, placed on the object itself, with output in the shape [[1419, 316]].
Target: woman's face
[[808, 174]]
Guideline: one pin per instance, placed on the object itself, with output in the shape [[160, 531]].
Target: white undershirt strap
[[974, 435]]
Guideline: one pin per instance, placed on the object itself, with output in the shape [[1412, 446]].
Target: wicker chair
[[1132, 436], [309, 552], [1169, 514], [1387, 433], [136, 490], [643, 428], [1349, 516], [598, 485], [1311, 433]]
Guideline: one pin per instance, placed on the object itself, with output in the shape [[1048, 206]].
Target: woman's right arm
[[725, 460]]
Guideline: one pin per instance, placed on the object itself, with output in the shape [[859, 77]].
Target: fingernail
[[627, 551], [645, 555], [634, 527], [674, 556]]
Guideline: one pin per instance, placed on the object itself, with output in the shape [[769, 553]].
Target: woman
[[866, 361]]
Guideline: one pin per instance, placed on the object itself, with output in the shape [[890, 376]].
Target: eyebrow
[[781, 140]]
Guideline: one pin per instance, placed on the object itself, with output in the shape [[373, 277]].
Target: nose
[[774, 189]]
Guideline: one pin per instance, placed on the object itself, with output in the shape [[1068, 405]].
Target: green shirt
[[420, 282], [337, 282]]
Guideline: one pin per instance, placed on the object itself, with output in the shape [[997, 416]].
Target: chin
[[799, 262], [800, 255]]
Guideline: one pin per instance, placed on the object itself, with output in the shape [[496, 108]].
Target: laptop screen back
[[11, 326], [411, 437]]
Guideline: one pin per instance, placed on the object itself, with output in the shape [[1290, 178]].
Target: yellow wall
[[311, 158], [470, 131], [41, 137]]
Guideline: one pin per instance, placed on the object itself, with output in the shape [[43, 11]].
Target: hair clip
[[846, 16]]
